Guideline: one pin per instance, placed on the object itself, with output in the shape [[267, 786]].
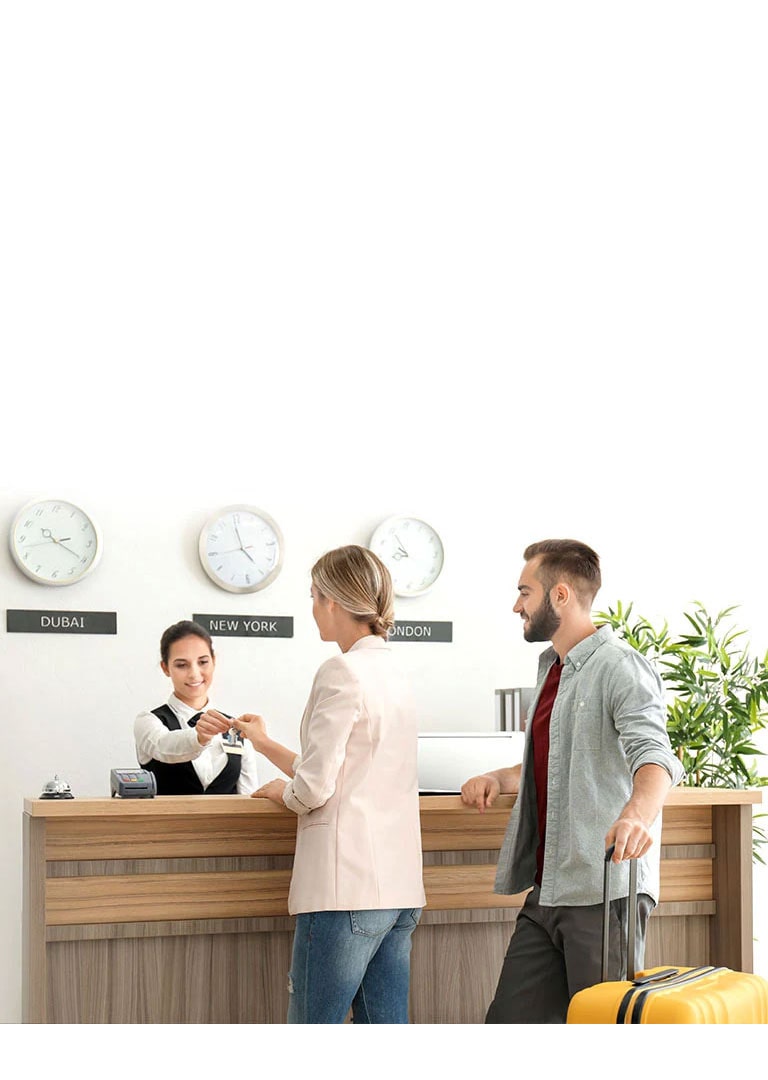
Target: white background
[[500, 265]]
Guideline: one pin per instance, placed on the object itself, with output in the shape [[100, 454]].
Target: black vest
[[181, 778]]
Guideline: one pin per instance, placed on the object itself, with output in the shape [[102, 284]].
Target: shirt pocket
[[587, 729]]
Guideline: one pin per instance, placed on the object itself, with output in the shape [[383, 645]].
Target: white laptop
[[447, 759]]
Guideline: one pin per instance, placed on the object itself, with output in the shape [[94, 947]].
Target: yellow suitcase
[[667, 995]]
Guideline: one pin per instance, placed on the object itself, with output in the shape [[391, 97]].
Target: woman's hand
[[254, 729], [209, 724], [272, 791]]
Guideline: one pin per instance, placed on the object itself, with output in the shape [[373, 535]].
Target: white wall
[[497, 268]]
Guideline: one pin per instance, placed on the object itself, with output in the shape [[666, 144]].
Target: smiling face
[[190, 668], [540, 620]]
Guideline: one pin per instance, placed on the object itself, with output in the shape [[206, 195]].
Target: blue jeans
[[357, 959]]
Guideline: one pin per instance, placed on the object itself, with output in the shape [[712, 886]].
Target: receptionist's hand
[[272, 790], [210, 724], [480, 791], [253, 727]]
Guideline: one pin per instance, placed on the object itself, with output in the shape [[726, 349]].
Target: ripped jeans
[[357, 959]]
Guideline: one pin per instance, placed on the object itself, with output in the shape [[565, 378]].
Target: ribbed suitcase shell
[[719, 996], [705, 995]]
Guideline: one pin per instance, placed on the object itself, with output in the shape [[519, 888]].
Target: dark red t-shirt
[[540, 739]]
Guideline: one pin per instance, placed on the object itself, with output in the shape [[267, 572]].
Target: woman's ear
[[164, 668]]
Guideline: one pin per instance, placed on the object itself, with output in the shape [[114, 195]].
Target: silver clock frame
[[268, 520], [25, 509]]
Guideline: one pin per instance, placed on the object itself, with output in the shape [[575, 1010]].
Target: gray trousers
[[556, 951]]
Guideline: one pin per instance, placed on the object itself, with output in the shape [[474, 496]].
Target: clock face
[[412, 552], [55, 542], [241, 549]]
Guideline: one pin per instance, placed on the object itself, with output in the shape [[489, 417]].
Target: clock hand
[[50, 539], [243, 548], [71, 552], [402, 553], [49, 536]]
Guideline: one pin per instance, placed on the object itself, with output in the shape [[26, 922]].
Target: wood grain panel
[[689, 824], [446, 825], [120, 867], [149, 897], [681, 941], [686, 879], [33, 922], [463, 829], [170, 837], [243, 894], [234, 979], [176, 928], [454, 975], [465, 886], [685, 851], [685, 907], [731, 931]]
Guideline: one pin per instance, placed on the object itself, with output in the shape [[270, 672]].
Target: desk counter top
[[242, 805]]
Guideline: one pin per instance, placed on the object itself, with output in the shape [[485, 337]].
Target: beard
[[544, 622]]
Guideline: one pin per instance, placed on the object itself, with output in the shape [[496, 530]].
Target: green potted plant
[[718, 695]]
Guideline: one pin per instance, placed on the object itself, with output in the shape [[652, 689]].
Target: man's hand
[[480, 791], [630, 837], [210, 724], [272, 790]]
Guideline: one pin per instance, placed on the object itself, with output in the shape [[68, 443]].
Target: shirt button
[[578, 664]]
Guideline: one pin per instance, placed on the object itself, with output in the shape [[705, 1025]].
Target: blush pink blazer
[[355, 788]]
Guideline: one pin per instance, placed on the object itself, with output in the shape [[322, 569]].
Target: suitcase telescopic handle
[[631, 916]]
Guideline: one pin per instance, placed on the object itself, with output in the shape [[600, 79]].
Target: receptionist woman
[[188, 748], [356, 889]]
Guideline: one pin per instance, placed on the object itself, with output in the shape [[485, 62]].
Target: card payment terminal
[[133, 783]]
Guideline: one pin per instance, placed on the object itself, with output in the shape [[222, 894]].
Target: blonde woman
[[356, 889]]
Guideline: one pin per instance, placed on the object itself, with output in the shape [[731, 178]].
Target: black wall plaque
[[261, 626], [421, 631], [61, 622]]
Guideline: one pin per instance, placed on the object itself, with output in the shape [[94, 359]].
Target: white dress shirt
[[155, 742]]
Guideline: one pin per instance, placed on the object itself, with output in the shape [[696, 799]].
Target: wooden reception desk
[[173, 910]]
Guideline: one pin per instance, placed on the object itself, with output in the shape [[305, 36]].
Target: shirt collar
[[183, 711], [581, 652]]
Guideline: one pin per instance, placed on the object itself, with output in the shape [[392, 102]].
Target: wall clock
[[241, 549], [411, 550], [54, 542]]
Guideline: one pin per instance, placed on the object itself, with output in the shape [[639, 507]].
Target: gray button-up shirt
[[608, 719]]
